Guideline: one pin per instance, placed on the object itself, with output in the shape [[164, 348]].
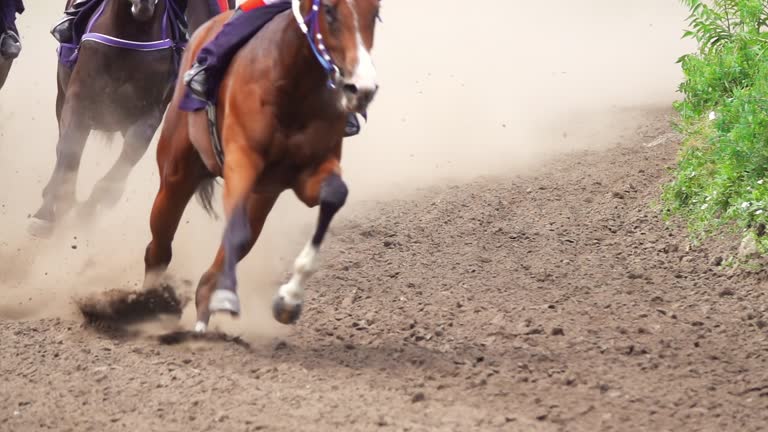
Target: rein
[[310, 26]]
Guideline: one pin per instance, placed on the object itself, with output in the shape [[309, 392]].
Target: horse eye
[[330, 13]]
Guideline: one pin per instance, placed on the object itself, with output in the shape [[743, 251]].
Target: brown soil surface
[[555, 301]]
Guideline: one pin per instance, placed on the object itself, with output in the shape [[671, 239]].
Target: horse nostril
[[350, 88]]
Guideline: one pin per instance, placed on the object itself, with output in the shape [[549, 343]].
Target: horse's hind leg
[[257, 209], [59, 193], [324, 187], [110, 188]]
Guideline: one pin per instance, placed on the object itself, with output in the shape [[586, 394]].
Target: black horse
[[5, 68], [119, 79], [10, 44]]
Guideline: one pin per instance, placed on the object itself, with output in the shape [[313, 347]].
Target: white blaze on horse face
[[364, 76], [363, 73], [306, 264]]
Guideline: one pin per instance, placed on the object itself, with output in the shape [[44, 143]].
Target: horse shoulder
[[248, 115]]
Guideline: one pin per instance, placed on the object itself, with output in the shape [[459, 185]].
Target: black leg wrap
[[236, 239], [333, 195]]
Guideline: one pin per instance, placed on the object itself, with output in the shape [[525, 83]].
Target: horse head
[[143, 10], [347, 30]]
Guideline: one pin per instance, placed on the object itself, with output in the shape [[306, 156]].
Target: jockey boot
[[63, 31], [10, 45], [196, 78]]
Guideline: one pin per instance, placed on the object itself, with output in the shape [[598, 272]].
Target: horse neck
[[118, 21], [306, 79]]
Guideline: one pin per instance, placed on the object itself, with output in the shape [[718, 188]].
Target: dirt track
[[558, 301], [555, 300]]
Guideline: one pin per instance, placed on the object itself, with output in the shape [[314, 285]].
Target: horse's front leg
[[59, 193], [111, 187], [324, 187], [246, 213]]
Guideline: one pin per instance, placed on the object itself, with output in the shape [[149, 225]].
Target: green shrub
[[722, 174]]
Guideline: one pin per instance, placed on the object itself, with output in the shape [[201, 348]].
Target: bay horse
[[282, 108], [121, 81]]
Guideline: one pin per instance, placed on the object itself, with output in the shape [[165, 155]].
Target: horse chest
[[306, 149], [289, 158]]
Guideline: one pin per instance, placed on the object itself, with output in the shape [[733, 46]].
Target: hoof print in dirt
[[119, 307], [183, 336]]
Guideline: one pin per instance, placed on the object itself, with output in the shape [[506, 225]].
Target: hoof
[[201, 327], [40, 228], [224, 301], [284, 312]]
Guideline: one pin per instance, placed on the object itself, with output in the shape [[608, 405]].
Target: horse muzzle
[[356, 98], [360, 84]]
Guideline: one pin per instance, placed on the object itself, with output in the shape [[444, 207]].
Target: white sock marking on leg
[[201, 327], [304, 267]]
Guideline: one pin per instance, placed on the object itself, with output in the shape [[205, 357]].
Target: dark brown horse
[[281, 125], [116, 85]]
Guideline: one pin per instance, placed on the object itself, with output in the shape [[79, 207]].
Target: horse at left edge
[[117, 75], [10, 42]]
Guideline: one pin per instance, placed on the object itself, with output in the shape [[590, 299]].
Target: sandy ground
[[500, 265]]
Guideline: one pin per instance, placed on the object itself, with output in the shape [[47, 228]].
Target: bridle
[[310, 26]]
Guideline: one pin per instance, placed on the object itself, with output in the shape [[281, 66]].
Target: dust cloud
[[467, 89]]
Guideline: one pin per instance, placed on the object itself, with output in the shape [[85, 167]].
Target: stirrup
[[196, 81]]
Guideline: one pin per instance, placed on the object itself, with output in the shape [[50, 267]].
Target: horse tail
[[205, 196]]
